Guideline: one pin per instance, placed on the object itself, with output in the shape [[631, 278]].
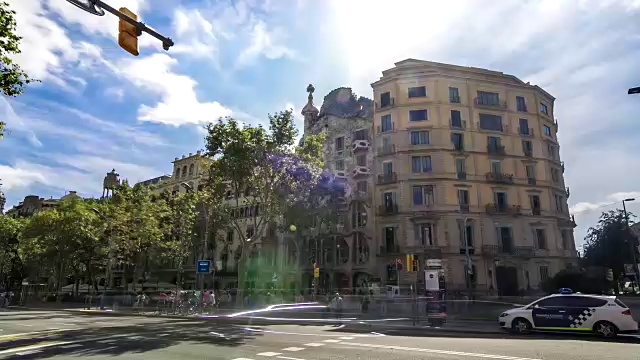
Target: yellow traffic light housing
[[128, 33]]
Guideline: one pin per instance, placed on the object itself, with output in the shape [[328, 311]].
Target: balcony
[[458, 124], [505, 209], [525, 132], [390, 209], [389, 178], [360, 145], [458, 147], [454, 99], [528, 152], [507, 248], [360, 196], [361, 171], [461, 175], [386, 130], [531, 181], [536, 211], [522, 108], [496, 149], [502, 105], [380, 106], [463, 250], [464, 208], [499, 178], [387, 150]]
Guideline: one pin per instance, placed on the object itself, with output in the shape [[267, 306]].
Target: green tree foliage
[[609, 243], [12, 78], [577, 280], [10, 264], [178, 241]]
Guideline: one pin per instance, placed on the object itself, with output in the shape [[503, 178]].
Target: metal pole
[[631, 243], [166, 42], [467, 256]]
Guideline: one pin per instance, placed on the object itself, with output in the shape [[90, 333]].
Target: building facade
[[33, 203], [469, 157]]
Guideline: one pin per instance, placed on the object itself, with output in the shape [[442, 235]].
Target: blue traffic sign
[[204, 266]]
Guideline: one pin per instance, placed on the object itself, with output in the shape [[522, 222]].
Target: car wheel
[[521, 326], [605, 329]]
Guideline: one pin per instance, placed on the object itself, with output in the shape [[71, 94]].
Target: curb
[[423, 330]]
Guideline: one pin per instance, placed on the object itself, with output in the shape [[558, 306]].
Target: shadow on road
[[129, 339]]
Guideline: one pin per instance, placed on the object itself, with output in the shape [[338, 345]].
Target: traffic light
[[128, 33], [409, 260], [415, 265], [399, 264]]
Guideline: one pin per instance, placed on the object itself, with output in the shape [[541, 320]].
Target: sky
[[97, 107]]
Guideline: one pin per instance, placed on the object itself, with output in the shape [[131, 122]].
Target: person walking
[[336, 307]]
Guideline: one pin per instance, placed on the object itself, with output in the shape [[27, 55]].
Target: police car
[[604, 315]]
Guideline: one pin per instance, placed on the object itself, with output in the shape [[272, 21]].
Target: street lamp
[[631, 245], [109, 256], [205, 251]]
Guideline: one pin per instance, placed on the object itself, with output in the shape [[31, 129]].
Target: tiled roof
[[343, 102]]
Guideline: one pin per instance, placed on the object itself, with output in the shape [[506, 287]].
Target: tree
[[607, 244], [12, 77], [138, 231], [178, 241], [260, 172], [10, 265]]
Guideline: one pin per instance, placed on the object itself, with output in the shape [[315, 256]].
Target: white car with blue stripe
[[567, 311]]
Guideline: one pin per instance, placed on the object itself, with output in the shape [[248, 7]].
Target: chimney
[[176, 159], [198, 152], [183, 156]]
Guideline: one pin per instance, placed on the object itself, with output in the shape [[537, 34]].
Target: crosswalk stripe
[[314, 344], [269, 354], [293, 348]]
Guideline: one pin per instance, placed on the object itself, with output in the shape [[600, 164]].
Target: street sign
[[204, 266], [433, 263]]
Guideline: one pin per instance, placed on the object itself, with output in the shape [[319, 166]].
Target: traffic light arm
[[166, 42]]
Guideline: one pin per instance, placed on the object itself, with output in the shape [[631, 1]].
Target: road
[[60, 335]]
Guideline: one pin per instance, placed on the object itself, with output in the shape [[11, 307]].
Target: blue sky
[[99, 108]]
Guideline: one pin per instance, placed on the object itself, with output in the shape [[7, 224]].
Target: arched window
[[359, 215], [177, 173], [184, 171], [191, 170]]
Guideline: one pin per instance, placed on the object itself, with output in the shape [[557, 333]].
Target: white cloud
[[197, 34], [19, 176], [264, 42], [178, 103], [611, 200], [115, 93]]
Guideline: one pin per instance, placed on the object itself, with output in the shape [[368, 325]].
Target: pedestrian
[[336, 307]]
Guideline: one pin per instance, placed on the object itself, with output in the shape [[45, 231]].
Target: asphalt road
[[60, 335]]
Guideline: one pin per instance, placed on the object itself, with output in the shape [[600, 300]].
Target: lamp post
[[631, 243], [205, 249], [109, 256]]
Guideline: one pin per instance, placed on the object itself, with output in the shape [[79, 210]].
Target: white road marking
[[314, 344], [163, 335], [331, 341], [288, 358], [32, 347], [71, 346], [269, 354], [69, 324], [293, 348], [24, 325], [135, 337], [436, 351], [375, 333], [242, 359], [11, 336], [346, 338], [293, 333], [28, 352]]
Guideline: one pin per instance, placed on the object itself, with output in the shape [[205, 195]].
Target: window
[[493, 142], [385, 123], [505, 239], [388, 199], [419, 138], [339, 143], [454, 95], [191, 167], [420, 164], [359, 215], [559, 199], [362, 186], [418, 91], [339, 165], [544, 273], [177, 173], [456, 119], [463, 197], [458, 141], [230, 236], [362, 134], [524, 127], [490, 122], [387, 168], [250, 232], [496, 167], [531, 171], [385, 99], [390, 238], [520, 104], [555, 176], [527, 147], [424, 234], [500, 199], [547, 130], [488, 98], [543, 108], [423, 195], [541, 238], [418, 115], [534, 201], [361, 160], [468, 234], [461, 166], [184, 171]]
